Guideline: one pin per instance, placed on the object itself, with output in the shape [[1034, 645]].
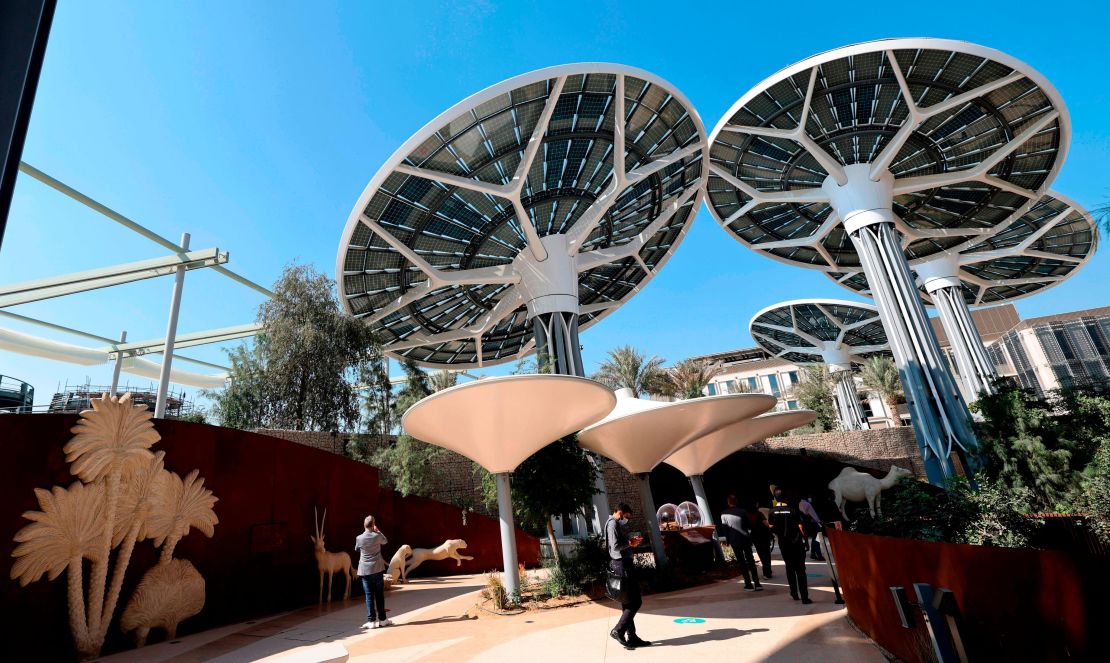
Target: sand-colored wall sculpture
[[123, 495]]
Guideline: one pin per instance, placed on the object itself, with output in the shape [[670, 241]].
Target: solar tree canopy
[[820, 331], [639, 434], [958, 135], [500, 422], [515, 202], [1040, 245], [701, 454]]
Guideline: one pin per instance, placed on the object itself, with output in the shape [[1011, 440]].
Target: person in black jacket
[[786, 522], [761, 538], [620, 562]]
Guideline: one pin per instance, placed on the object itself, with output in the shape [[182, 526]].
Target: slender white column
[[941, 281], [939, 415], [171, 334], [119, 364], [511, 576], [851, 415], [697, 482], [647, 503]]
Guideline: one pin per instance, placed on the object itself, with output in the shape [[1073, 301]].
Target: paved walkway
[[435, 622]]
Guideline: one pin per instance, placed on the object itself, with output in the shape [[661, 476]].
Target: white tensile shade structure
[[862, 157], [640, 434], [500, 422], [695, 458], [1044, 242], [833, 332]]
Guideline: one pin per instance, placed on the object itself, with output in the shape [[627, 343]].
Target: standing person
[[787, 525], [620, 562], [811, 523], [371, 570], [734, 520], [761, 538]]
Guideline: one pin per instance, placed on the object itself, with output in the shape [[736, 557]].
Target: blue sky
[[256, 125]]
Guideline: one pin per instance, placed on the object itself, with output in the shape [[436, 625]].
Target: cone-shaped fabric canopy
[[499, 422], [640, 434], [701, 454]]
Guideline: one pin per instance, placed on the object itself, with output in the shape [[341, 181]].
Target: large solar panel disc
[[440, 253], [969, 135], [1043, 243], [816, 331]]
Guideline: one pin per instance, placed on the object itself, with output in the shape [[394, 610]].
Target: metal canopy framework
[[523, 214], [126, 355], [830, 331], [1044, 242], [861, 157]]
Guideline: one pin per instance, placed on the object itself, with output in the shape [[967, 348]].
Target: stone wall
[[877, 449]]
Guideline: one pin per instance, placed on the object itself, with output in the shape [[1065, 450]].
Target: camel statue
[[852, 485], [330, 563], [396, 571], [449, 548]]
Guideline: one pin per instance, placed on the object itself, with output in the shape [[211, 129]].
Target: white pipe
[[647, 503], [118, 366], [510, 576], [171, 333]]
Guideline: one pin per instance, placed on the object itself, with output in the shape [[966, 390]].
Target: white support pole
[[171, 333], [977, 372], [510, 577], [697, 482], [647, 503], [119, 365]]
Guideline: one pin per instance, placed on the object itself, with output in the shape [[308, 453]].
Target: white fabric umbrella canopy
[[640, 434], [499, 422], [701, 454]]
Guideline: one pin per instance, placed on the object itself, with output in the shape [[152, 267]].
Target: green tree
[[1095, 496], [408, 463], [629, 368], [686, 379], [815, 392], [881, 375], [558, 479], [304, 366]]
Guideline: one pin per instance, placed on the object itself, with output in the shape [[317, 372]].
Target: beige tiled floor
[[434, 622]]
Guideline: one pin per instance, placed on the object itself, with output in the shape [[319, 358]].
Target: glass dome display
[[688, 515], [667, 515]]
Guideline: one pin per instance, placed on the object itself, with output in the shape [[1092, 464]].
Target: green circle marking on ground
[[689, 620]]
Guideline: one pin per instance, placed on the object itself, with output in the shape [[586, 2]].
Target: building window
[[773, 380], [793, 377], [791, 405], [712, 389], [753, 386], [730, 387]]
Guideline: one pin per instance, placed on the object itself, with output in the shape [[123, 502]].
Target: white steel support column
[[119, 364], [697, 482], [851, 415], [171, 333], [510, 577], [647, 503], [939, 415], [977, 372]]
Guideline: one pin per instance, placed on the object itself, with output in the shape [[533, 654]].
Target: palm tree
[[629, 368], [111, 442], [688, 378], [68, 529], [443, 379], [178, 507], [881, 375]]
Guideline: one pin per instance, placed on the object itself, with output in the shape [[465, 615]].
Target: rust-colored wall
[[260, 560], [1016, 604]]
